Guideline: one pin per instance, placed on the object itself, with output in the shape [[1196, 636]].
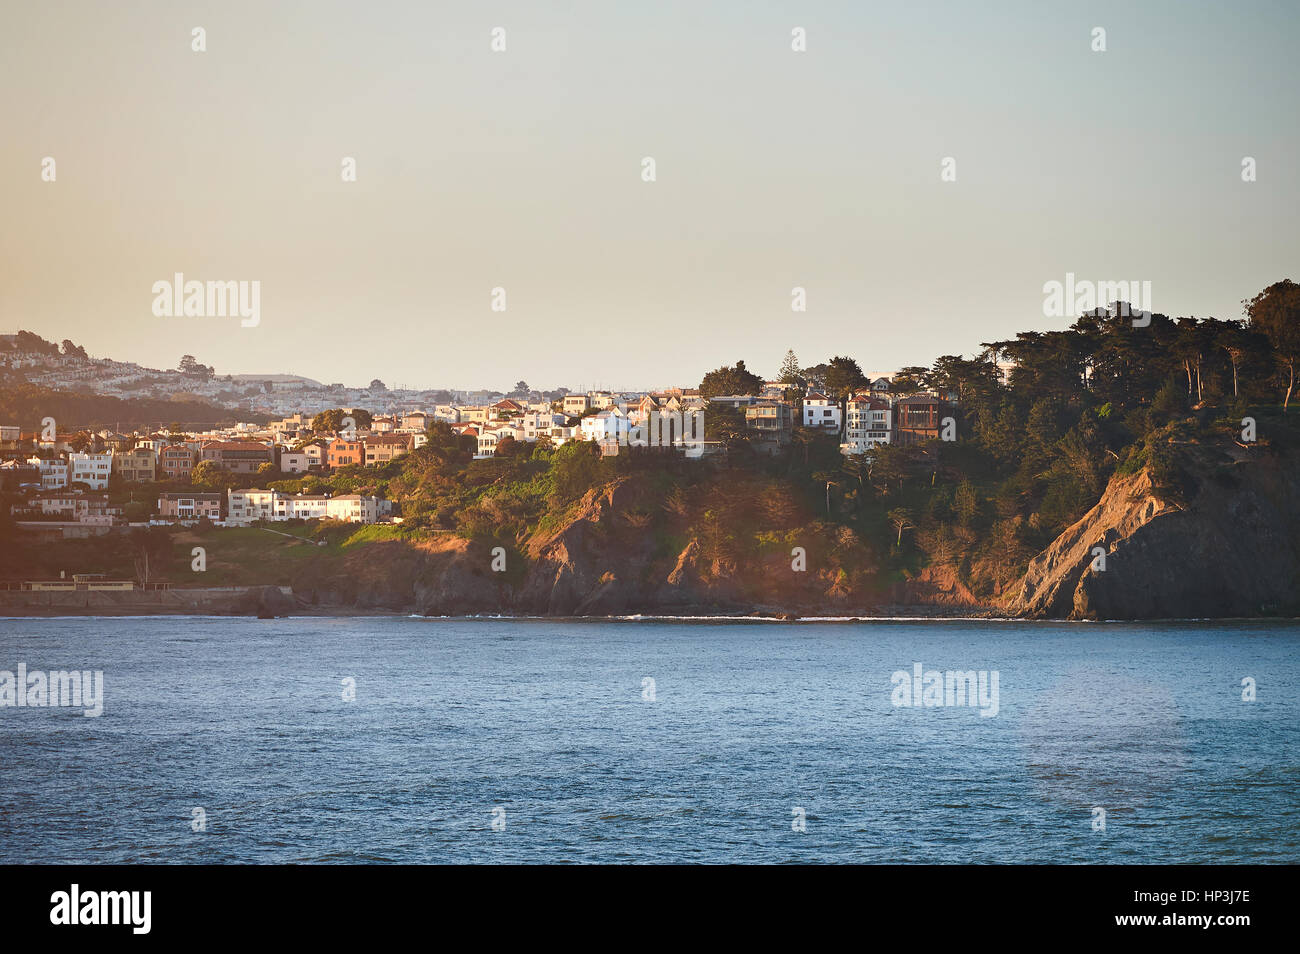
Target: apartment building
[[138, 465], [867, 424], [93, 470], [176, 462], [54, 472]]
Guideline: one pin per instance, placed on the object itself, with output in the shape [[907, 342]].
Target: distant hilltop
[[278, 379]]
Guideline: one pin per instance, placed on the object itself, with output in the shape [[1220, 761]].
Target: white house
[[607, 425], [54, 472], [820, 411], [245, 506], [868, 424], [353, 508], [91, 469], [540, 423]]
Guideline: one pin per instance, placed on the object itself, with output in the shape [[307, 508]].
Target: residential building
[[69, 505], [576, 405], [190, 506], [735, 401], [238, 457], [867, 423], [93, 470], [315, 451], [821, 412], [342, 452], [772, 422], [54, 472], [919, 418], [353, 508], [505, 408], [538, 424], [16, 474], [382, 448], [245, 506], [295, 462], [414, 421], [138, 465], [176, 462], [605, 425]]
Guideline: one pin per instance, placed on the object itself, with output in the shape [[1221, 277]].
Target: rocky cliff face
[[1230, 550], [600, 560]]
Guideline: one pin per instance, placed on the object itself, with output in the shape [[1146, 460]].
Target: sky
[[523, 170]]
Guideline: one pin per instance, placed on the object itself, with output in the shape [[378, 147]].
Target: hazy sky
[[522, 169]]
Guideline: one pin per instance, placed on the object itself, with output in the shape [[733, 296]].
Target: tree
[[1276, 313], [790, 373], [334, 420], [151, 549], [377, 385], [520, 388], [188, 364], [830, 480], [965, 503], [736, 380], [1232, 338], [725, 424], [900, 519], [842, 378], [207, 473]]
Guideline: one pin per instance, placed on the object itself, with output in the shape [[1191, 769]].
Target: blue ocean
[[386, 739]]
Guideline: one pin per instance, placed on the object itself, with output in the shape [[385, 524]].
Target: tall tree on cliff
[[1276, 313], [724, 380]]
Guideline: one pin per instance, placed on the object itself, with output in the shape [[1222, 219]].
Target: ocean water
[[749, 731]]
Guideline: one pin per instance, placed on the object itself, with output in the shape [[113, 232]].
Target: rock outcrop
[[1230, 550]]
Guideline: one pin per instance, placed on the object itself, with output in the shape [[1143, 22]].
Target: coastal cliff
[[1191, 528], [1227, 546]]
